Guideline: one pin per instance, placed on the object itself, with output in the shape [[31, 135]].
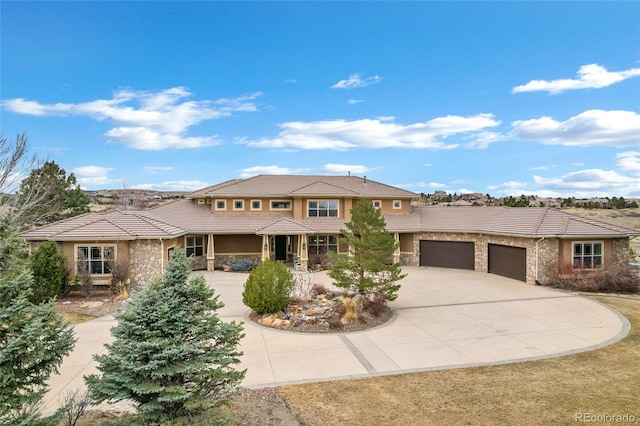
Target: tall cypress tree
[[171, 355], [367, 268]]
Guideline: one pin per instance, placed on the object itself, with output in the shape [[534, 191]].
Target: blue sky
[[494, 97]]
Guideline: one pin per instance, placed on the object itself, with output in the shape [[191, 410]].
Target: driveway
[[444, 318]]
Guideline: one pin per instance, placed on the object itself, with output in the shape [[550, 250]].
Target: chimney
[[365, 179], [349, 173]]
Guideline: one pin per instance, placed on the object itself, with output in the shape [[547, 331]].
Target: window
[[280, 205], [587, 255], [221, 204], [321, 244], [238, 204], [95, 259], [256, 204], [323, 208], [195, 246], [377, 204], [200, 200], [397, 204]]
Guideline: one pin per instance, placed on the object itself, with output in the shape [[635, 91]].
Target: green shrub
[[242, 265], [268, 288], [49, 273]]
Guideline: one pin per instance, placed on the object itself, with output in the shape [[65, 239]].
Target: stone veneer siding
[[547, 251], [145, 261], [620, 250]]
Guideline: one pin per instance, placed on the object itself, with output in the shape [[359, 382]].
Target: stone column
[[304, 252], [396, 253]]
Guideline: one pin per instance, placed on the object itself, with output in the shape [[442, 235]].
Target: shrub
[[49, 273], [242, 265], [268, 288], [617, 278]]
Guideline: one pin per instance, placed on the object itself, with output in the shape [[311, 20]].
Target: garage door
[[447, 254], [508, 261]]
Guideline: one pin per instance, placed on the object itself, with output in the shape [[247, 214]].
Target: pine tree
[[367, 268], [34, 338], [171, 355]]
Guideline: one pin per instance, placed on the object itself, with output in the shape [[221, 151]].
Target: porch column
[[303, 251], [210, 253], [265, 247], [396, 253]]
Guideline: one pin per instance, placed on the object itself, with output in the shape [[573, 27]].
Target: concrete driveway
[[444, 318]]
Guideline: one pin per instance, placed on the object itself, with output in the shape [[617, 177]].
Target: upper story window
[[587, 255], [195, 246], [238, 204], [397, 204], [280, 205], [377, 204], [95, 259], [221, 204], [323, 208], [256, 204]]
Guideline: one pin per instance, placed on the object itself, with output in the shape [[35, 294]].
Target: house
[[299, 218]]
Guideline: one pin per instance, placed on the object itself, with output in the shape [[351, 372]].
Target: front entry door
[[281, 247]]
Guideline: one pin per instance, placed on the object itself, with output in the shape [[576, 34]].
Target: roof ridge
[[543, 216], [325, 183]]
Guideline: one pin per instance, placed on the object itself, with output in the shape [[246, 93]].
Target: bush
[[242, 265], [49, 273], [268, 288], [618, 278]]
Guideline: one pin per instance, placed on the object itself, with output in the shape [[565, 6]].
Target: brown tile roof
[[289, 185], [285, 225], [533, 222], [110, 224]]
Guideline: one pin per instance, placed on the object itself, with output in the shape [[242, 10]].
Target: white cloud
[[270, 170], [342, 135], [591, 183], [355, 81], [592, 76], [154, 170], [92, 176], [176, 185], [590, 128], [145, 120], [513, 188], [346, 168], [629, 161], [354, 101]]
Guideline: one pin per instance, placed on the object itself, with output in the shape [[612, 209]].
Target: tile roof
[[110, 224], [289, 185]]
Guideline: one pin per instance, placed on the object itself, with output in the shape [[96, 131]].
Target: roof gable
[[285, 226]]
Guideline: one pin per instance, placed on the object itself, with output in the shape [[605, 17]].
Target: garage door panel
[[507, 261], [447, 254]]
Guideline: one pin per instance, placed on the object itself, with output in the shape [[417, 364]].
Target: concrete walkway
[[444, 318]]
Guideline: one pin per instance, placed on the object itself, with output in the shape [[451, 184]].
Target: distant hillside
[[130, 198]]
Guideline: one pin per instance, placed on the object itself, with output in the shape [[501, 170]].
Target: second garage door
[[508, 261], [447, 254]]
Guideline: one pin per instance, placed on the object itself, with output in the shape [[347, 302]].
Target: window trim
[[337, 209], [592, 256], [280, 208], [195, 245], [399, 203], [102, 259], [224, 203], [259, 208], [241, 205]]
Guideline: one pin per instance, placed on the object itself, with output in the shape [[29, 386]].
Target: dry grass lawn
[[552, 391]]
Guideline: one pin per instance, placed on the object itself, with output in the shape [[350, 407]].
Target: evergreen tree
[[171, 354], [49, 274], [34, 338], [367, 268], [62, 196]]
